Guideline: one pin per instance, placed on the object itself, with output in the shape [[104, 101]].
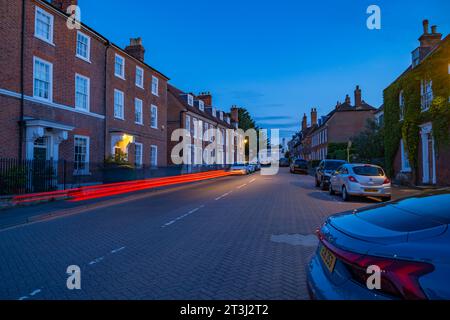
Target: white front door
[[428, 154]]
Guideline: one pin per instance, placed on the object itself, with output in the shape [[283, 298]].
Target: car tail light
[[352, 179], [399, 278], [386, 181]]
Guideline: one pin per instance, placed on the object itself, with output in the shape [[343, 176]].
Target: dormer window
[[221, 115], [201, 105], [228, 120], [190, 100], [416, 57], [213, 110]]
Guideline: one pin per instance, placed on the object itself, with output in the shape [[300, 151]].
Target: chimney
[[234, 114], [304, 122], [136, 49], [64, 4], [313, 116], [358, 97], [429, 40], [338, 104], [206, 97], [347, 100]]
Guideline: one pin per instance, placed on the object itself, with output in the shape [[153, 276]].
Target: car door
[[335, 178]]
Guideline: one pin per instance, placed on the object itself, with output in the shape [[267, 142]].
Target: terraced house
[[68, 93], [417, 114]]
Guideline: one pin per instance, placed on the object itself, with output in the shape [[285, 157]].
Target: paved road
[[233, 238]]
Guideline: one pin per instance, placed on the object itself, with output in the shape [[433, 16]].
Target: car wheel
[[330, 190], [317, 183], [323, 186], [345, 195]]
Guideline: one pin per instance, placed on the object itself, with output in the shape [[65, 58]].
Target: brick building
[[72, 94], [338, 126], [197, 114], [423, 82]]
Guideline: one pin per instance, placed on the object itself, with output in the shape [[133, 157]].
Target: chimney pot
[[136, 49], [358, 97], [434, 29], [425, 26]]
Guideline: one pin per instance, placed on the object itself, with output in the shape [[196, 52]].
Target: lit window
[[43, 26], [81, 92], [83, 46], [140, 77], [138, 118], [155, 85], [81, 155], [118, 104], [154, 117], [43, 79], [119, 67]]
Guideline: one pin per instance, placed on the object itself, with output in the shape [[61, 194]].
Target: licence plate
[[371, 190], [328, 258]]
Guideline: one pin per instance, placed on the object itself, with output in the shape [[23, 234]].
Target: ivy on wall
[[434, 68]]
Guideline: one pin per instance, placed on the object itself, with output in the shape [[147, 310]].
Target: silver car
[[365, 180]]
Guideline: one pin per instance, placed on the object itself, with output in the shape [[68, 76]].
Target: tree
[[245, 120], [369, 145]]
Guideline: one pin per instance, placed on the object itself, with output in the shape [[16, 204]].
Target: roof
[[177, 93], [106, 40]]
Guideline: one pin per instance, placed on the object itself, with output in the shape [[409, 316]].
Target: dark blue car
[[408, 240]]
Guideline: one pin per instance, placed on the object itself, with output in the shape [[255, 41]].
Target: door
[[42, 168], [430, 157]]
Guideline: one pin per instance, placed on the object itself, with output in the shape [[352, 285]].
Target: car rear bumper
[[366, 191], [320, 287]]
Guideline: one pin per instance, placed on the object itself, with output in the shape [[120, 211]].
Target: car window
[[332, 165], [369, 171]]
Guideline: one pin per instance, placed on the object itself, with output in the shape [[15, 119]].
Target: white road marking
[[223, 196], [253, 180], [240, 187], [95, 261], [23, 298], [182, 216], [32, 294], [117, 250], [35, 292]]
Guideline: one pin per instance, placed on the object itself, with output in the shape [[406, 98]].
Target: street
[[246, 237]]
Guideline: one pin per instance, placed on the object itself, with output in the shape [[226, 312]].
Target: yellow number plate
[[371, 190], [328, 258]]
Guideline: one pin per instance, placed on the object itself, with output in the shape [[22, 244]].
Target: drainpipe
[[105, 110], [22, 85]]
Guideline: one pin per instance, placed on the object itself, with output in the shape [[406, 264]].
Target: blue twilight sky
[[275, 58]]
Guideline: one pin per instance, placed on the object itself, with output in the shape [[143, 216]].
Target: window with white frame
[[42, 79], [401, 103], [139, 77], [119, 67], [190, 100], [194, 124], [82, 90], [201, 105], [154, 156], [205, 129], [138, 117], [426, 94], [154, 117], [188, 124], [81, 155], [138, 154], [406, 167], [43, 26], [221, 115], [83, 46], [118, 104], [155, 85], [200, 129], [213, 110]]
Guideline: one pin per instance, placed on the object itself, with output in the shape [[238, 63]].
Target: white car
[[363, 180], [239, 168]]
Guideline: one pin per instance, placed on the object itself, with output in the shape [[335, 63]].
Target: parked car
[[239, 168], [299, 165], [365, 180], [324, 171], [407, 239], [284, 162], [251, 167]]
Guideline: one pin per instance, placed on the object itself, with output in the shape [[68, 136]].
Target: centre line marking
[[253, 180], [223, 196], [182, 217], [240, 187], [117, 250]]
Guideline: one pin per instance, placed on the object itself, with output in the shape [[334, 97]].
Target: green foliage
[[245, 120], [13, 180], [434, 68], [337, 151], [369, 144]]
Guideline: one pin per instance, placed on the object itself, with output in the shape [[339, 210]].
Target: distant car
[[284, 162], [239, 168], [300, 166], [251, 167], [324, 171], [365, 180], [407, 239]]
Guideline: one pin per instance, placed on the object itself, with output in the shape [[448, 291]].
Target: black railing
[[34, 176]]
